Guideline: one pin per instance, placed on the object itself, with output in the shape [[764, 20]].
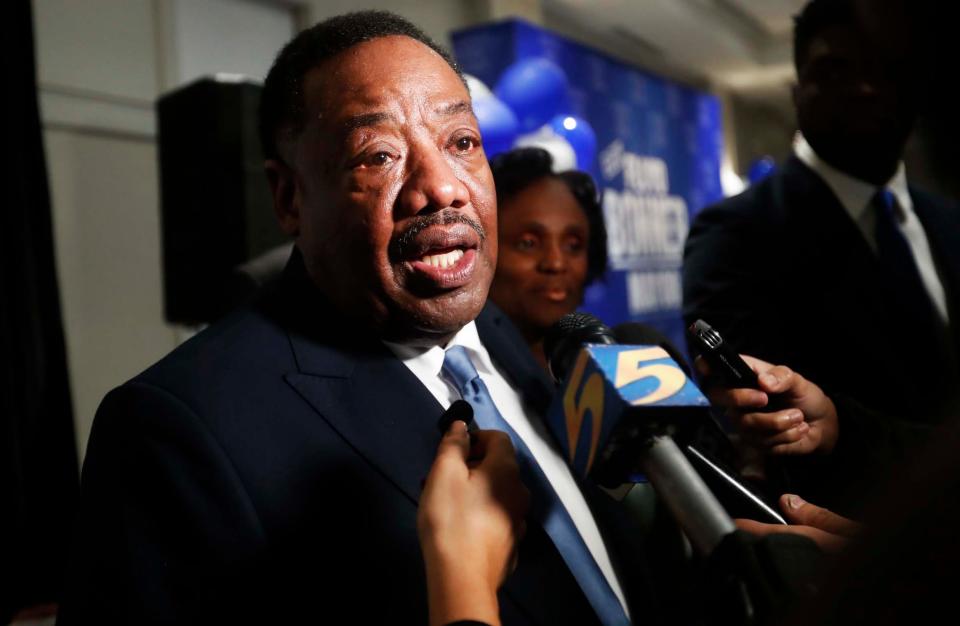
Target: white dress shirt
[[855, 196], [426, 362]]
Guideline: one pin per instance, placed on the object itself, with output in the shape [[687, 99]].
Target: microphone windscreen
[[563, 340], [458, 410]]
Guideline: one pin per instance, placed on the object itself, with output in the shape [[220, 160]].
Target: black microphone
[[564, 339], [635, 398]]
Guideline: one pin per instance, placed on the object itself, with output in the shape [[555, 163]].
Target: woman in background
[[553, 244], [552, 241]]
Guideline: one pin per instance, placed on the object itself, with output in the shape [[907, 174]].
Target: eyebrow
[[536, 227], [366, 120], [456, 108]]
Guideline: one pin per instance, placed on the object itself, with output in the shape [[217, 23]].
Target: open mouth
[[443, 260], [443, 256]]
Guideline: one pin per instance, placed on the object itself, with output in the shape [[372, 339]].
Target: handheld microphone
[[723, 359], [615, 414]]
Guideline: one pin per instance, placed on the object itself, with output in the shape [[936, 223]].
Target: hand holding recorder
[[470, 520], [773, 407]]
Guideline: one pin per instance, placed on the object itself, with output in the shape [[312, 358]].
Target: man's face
[[392, 201], [542, 267], [854, 98]]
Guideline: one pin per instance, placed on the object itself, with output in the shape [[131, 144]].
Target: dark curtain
[[38, 459]]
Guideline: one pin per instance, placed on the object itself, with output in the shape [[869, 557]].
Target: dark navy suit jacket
[[784, 273], [269, 469]]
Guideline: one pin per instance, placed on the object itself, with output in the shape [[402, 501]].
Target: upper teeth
[[447, 259]]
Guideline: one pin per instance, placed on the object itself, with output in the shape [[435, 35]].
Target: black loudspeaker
[[216, 208]]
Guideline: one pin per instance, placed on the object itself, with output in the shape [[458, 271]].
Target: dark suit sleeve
[[166, 532], [870, 442], [873, 447]]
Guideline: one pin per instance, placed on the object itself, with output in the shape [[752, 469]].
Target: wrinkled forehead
[[395, 75]]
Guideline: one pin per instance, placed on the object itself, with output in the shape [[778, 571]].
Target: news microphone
[[709, 448], [727, 365], [615, 414]]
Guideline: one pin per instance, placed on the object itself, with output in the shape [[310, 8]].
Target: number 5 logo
[[591, 399], [630, 369]]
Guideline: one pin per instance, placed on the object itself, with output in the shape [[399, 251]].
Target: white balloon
[[564, 158], [476, 87]]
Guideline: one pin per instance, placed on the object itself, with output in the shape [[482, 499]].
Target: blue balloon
[[578, 132], [760, 169], [536, 89], [498, 125]]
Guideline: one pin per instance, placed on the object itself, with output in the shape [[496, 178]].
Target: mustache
[[401, 244]]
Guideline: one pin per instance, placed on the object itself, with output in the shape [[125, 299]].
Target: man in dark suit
[[833, 265], [269, 469]]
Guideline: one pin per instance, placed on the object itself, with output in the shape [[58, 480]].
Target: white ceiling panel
[[741, 45]]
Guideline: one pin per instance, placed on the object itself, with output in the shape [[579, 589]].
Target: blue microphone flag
[[608, 383]]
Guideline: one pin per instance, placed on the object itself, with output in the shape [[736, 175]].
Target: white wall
[[436, 18], [106, 225], [101, 64], [212, 36]]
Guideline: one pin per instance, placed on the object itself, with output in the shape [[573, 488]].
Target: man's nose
[[432, 184]]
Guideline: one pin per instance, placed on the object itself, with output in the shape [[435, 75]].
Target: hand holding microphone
[[470, 520], [785, 414]]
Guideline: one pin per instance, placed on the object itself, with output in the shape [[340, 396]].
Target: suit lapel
[[621, 538], [383, 411], [380, 409], [354, 383], [942, 226], [509, 350], [832, 253]]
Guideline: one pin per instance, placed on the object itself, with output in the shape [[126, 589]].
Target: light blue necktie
[[546, 507]]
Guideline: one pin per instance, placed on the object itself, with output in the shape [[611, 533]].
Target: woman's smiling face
[[542, 264]]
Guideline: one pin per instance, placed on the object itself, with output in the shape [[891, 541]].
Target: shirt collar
[[854, 194], [427, 360]]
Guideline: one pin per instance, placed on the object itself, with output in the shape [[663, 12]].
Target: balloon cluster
[[530, 106]]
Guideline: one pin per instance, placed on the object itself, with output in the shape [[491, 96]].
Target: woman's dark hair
[[519, 168]]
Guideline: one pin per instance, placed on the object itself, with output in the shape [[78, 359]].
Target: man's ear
[[286, 198]]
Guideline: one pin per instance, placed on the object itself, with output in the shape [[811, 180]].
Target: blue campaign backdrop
[[658, 147]]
